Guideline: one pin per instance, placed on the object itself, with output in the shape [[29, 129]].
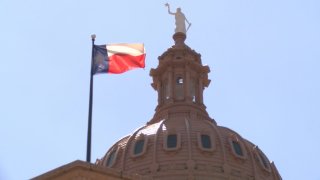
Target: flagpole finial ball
[[93, 36]]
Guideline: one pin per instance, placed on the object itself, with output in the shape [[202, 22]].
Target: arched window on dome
[[237, 147], [205, 141], [111, 157], [172, 141], [263, 161], [140, 145]]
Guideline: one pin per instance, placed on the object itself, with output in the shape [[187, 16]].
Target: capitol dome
[[181, 141]]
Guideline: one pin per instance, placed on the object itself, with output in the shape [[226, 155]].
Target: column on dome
[[193, 91], [158, 85], [166, 83], [191, 88], [170, 86], [187, 88], [164, 91], [200, 89]]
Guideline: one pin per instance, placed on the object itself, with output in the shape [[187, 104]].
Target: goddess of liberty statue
[[180, 20]]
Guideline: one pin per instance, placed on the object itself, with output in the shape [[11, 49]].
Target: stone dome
[[181, 141], [178, 148]]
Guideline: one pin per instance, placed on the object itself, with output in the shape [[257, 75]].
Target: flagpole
[[90, 105]]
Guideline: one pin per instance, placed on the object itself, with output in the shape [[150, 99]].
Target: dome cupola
[[179, 79]]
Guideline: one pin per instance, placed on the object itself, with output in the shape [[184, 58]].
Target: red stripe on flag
[[119, 63]]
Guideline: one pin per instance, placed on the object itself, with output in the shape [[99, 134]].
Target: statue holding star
[[180, 20]]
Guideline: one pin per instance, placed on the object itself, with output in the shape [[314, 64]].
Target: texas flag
[[118, 58]]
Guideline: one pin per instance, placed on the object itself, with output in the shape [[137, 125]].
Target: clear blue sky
[[264, 58]]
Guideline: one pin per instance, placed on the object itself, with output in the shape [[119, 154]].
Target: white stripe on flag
[[131, 49]]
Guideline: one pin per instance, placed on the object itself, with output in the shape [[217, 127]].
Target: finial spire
[[93, 36], [179, 39]]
